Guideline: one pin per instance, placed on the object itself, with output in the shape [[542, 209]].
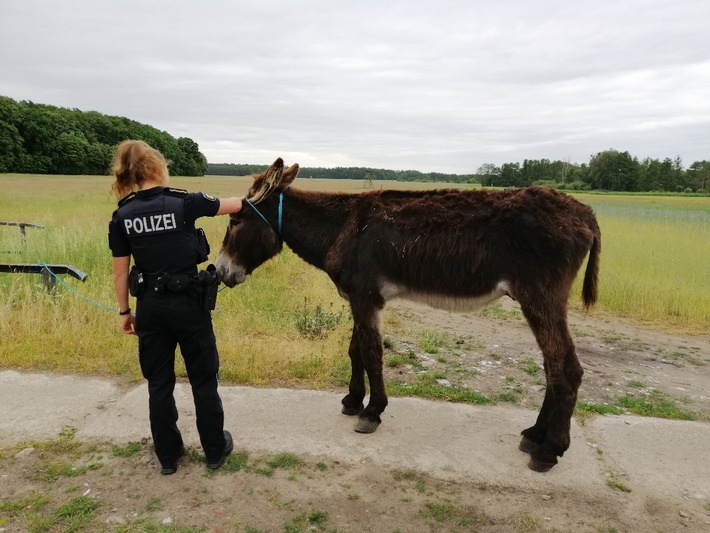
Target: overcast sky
[[434, 86]]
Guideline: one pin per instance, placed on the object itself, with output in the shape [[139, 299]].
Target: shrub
[[316, 322]]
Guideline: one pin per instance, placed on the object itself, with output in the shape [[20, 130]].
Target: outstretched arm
[[230, 205]]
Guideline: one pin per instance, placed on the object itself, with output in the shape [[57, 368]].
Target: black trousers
[[164, 321]]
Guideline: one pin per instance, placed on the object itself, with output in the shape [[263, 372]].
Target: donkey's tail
[[591, 274]]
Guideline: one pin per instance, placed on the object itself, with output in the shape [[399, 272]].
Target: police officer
[[155, 225]]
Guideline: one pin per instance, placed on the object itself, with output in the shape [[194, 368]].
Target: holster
[[208, 280], [203, 246], [136, 283]]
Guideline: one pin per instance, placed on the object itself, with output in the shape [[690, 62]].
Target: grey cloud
[[441, 86]]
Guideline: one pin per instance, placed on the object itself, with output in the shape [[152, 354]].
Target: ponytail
[[134, 163]]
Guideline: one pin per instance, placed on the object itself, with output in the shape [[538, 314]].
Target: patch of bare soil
[[66, 485], [493, 352]]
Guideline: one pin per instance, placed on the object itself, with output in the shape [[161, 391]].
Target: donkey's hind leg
[[549, 438]]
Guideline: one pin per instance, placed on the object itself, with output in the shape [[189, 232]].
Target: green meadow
[[286, 325], [655, 262]]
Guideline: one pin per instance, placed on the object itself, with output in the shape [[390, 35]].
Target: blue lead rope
[[107, 308], [280, 212], [61, 282], [76, 293], [257, 211]]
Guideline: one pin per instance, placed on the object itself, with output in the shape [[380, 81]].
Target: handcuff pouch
[[136, 283]]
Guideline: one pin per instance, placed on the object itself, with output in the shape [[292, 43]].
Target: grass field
[[655, 262], [655, 268]]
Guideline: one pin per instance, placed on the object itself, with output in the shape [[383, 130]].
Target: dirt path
[[432, 465], [494, 352]]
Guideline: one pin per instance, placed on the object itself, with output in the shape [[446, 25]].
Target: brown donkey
[[452, 249]]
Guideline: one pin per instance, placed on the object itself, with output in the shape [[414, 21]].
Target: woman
[[155, 225]]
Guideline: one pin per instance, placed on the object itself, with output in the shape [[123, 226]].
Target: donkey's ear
[[290, 174], [276, 165], [272, 176], [266, 182]]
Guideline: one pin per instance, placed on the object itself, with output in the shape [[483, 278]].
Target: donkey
[[451, 249]]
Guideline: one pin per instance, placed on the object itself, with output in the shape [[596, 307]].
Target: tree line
[[343, 173], [44, 139], [609, 170]]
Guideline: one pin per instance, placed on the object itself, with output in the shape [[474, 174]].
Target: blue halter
[[280, 219]]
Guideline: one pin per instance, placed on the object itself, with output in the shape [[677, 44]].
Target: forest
[[344, 173], [44, 139], [610, 170]]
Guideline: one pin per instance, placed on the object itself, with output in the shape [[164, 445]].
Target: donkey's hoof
[[539, 466], [352, 411], [528, 446], [364, 425]]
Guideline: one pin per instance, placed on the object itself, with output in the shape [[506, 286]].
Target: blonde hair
[[134, 163]]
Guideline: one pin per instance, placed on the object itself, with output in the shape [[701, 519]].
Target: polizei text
[[150, 223]]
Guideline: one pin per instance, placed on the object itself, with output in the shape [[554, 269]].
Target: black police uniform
[[157, 227]]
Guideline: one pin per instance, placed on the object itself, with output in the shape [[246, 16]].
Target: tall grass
[[654, 267], [655, 262], [255, 323]]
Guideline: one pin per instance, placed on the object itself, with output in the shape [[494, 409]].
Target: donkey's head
[[252, 235]]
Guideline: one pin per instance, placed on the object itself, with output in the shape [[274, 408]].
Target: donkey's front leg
[[368, 343], [352, 402]]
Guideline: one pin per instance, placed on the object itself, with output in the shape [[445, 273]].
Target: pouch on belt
[[136, 282], [209, 280]]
